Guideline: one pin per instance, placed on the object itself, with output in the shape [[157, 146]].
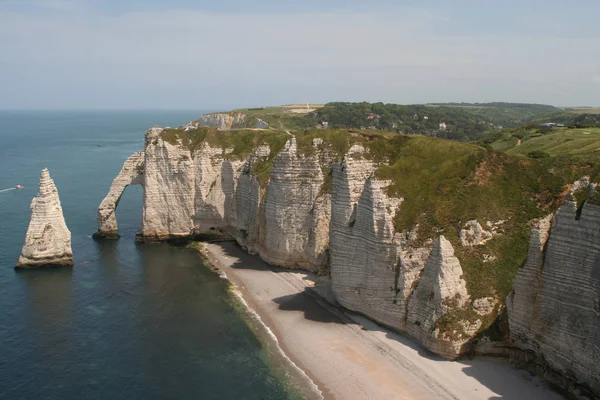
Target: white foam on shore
[[257, 317]]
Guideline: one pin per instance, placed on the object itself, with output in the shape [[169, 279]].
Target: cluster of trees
[[418, 119]]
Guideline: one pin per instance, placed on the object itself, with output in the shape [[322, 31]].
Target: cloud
[[176, 58]]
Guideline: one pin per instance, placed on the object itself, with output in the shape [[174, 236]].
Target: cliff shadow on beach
[[317, 303]]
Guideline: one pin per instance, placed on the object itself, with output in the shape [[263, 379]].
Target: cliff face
[[294, 222], [286, 223], [376, 272], [554, 309], [321, 203], [222, 121], [207, 191], [317, 211], [48, 240], [169, 189], [228, 121]]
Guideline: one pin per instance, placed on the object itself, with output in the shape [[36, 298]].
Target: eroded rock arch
[[132, 173]]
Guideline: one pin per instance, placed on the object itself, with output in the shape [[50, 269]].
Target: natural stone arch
[[132, 173]]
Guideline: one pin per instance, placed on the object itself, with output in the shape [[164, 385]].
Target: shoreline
[[347, 356], [300, 373]]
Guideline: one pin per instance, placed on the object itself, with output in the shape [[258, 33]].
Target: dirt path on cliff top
[[351, 358]]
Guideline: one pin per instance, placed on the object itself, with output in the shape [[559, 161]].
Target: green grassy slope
[[582, 143]]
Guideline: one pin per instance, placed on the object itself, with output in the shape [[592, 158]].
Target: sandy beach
[[349, 357]]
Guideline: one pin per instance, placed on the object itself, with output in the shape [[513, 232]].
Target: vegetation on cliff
[[445, 184], [238, 143]]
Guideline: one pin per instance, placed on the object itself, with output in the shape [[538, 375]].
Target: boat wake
[[6, 190]]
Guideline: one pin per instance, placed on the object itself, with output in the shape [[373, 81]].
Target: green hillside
[[580, 143], [505, 114], [443, 122]]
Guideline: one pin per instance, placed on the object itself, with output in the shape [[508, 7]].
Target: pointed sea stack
[[48, 240]]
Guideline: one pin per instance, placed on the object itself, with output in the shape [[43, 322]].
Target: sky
[[186, 54]]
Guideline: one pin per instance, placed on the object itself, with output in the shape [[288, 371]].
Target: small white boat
[[19, 187]]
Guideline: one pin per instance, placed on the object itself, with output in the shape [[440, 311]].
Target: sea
[[128, 321]]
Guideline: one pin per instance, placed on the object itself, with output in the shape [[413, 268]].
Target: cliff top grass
[[242, 142]]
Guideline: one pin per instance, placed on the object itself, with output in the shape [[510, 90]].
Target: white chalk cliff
[[554, 309], [324, 211], [48, 240], [222, 121], [227, 121], [316, 212]]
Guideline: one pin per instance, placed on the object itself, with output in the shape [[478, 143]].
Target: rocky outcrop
[[474, 235], [169, 189], [214, 181], [295, 218], [48, 240], [440, 291], [222, 121], [364, 252], [485, 305], [525, 285], [313, 212], [554, 309], [132, 173], [260, 124], [209, 191], [375, 270], [228, 121]]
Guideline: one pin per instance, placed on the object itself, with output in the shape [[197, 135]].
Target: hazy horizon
[[225, 109], [158, 55]]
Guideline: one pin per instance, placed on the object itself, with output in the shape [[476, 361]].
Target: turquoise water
[[128, 321]]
